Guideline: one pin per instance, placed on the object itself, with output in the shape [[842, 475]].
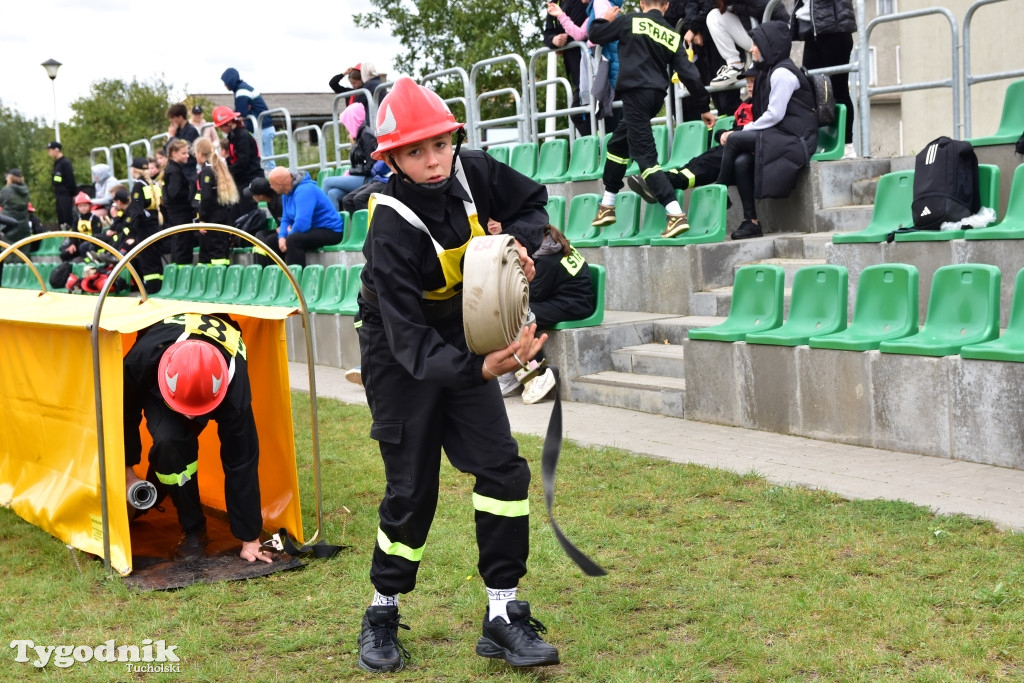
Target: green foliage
[[23, 145], [442, 34]]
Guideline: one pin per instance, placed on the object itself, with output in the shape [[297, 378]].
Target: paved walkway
[[946, 486]]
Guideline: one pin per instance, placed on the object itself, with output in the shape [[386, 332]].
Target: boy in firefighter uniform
[[182, 373], [425, 389]]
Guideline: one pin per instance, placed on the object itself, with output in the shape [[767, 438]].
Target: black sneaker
[[380, 650], [747, 230], [192, 546], [518, 642], [639, 185]]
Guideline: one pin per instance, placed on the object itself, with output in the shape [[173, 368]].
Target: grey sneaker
[[509, 384], [605, 216], [727, 75], [676, 225], [517, 641], [639, 185]]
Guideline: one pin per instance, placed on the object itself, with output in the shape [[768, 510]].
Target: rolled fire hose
[[495, 306]]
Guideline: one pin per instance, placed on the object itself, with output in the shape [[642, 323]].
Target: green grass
[[712, 577]]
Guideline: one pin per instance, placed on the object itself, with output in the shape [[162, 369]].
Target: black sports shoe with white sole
[[518, 641]]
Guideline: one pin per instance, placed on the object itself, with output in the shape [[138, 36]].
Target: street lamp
[[51, 66]]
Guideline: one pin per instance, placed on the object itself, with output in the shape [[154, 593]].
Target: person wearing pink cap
[[362, 143]]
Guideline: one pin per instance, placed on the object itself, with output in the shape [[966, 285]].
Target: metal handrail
[[522, 97], [969, 78], [585, 107], [289, 156], [93, 153], [135, 143], [94, 338], [342, 98], [321, 146]]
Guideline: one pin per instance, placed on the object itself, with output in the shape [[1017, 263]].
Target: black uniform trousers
[[176, 446], [412, 421], [738, 167], [833, 49], [149, 263], [633, 139], [183, 243]]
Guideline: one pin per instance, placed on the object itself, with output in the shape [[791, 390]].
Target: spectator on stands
[[704, 168], [359, 198], [156, 168], [217, 203], [647, 59], [143, 220], [261, 192], [14, 202], [180, 127], [243, 157], [64, 187], [199, 122], [86, 222], [160, 157], [827, 28], [105, 184], [119, 233], [690, 19], [363, 142], [308, 220], [729, 26], [556, 37], [179, 188], [361, 76], [784, 133], [249, 102]]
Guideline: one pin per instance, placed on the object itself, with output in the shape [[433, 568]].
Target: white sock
[[384, 600], [608, 199], [497, 601], [673, 207]]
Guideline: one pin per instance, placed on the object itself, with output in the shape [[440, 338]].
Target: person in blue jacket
[[249, 102], [308, 218]]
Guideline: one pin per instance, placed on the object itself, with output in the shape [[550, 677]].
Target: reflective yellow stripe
[[617, 160], [690, 176], [649, 171], [220, 262], [399, 549], [501, 508], [152, 276], [357, 324], [180, 478]]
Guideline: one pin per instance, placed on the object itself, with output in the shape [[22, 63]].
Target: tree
[[442, 34], [23, 142]]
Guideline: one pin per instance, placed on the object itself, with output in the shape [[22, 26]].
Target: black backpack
[[945, 184], [824, 98]]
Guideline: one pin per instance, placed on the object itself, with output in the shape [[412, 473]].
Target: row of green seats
[[17, 274], [962, 315], [355, 231], [325, 173]]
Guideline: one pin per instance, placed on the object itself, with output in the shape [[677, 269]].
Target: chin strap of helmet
[[460, 137]]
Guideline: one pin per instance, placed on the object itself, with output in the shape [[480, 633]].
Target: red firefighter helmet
[[410, 113], [82, 198], [193, 377], [223, 115]]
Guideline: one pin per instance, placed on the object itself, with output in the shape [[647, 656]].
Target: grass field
[[712, 577]]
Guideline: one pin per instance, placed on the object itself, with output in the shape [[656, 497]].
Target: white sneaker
[[509, 384], [727, 75], [538, 387], [355, 375]]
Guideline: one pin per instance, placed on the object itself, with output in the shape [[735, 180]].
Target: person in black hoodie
[[64, 187], [179, 186], [765, 158], [361, 76]]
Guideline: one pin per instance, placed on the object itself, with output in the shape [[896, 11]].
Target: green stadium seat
[[556, 211], [627, 222], [332, 291], [988, 186], [660, 133], [585, 160], [893, 197], [270, 283], [523, 158], [13, 275], [651, 226], [168, 283], [706, 214], [690, 140], [229, 291], [832, 139], [311, 284], [582, 209], [817, 306], [49, 247], [347, 305], [249, 286], [183, 283], [214, 282], [286, 295], [553, 164], [322, 175], [963, 309], [500, 152], [721, 123], [1010, 346], [44, 270], [1011, 123], [597, 278], [197, 288], [1012, 225], [355, 231], [346, 222], [758, 300], [885, 309]]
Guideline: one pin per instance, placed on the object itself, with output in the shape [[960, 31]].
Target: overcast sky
[[276, 46]]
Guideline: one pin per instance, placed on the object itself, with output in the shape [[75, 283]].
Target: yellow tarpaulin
[[49, 453]]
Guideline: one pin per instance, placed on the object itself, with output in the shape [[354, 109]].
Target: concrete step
[[789, 265], [657, 394], [805, 245], [863, 191], [650, 359], [845, 218], [675, 330], [716, 302]]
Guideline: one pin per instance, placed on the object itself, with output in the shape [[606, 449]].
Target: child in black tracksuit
[[426, 390], [143, 219], [649, 51], [216, 201]]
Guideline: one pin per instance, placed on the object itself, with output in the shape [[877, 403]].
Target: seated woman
[[363, 143], [784, 133], [560, 290]]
